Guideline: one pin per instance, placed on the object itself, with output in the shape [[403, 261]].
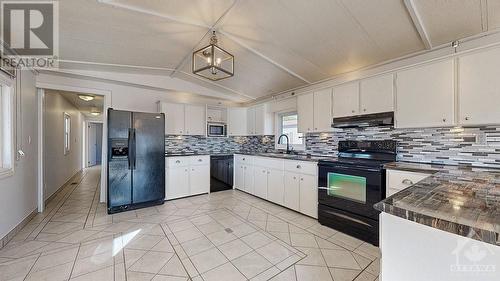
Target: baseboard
[[4, 240], [51, 197]]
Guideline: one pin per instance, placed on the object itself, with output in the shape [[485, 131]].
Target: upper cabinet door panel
[[195, 120], [346, 100], [237, 121], [479, 88], [174, 118], [426, 96], [377, 94], [251, 121], [323, 110], [305, 112]]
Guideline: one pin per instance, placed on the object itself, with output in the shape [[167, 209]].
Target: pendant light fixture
[[213, 62]]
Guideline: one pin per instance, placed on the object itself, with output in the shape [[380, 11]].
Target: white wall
[[59, 168], [18, 193]]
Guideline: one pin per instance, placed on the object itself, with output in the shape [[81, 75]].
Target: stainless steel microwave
[[216, 130]]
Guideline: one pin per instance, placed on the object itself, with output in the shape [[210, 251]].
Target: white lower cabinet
[[292, 184], [398, 180], [186, 176]]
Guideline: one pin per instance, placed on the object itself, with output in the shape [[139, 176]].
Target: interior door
[[92, 145], [148, 180]]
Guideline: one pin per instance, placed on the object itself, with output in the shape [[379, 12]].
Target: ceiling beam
[[417, 22], [268, 59]]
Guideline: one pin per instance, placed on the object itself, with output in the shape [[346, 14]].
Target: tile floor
[[226, 235]]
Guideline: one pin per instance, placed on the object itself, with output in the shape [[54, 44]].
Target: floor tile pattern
[[226, 235]]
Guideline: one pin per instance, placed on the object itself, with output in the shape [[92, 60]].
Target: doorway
[[94, 144]]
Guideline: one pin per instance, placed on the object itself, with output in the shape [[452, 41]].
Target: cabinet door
[[239, 176], [346, 100], [251, 121], [263, 120], [292, 191], [425, 96], [305, 112], [174, 118], [195, 116], [260, 185], [309, 195], [199, 179], [177, 182], [275, 186], [377, 94], [323, 110], [237, 121], [249, 179], [479, 88]]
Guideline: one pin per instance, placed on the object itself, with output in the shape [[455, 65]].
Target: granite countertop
[[456, 199], [299, 157]]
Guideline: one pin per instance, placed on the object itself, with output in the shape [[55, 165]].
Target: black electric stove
[[350, 185]]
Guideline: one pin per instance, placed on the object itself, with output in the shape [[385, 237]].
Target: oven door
[[352, 189]]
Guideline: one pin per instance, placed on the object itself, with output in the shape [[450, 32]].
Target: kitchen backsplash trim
[[478, 146]]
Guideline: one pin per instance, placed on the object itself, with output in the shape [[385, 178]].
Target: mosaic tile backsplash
[[454, 146]]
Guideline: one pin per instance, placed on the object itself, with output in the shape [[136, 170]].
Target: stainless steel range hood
[[367, 120]]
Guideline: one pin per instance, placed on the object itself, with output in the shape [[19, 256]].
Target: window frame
[[279, 129], [7, 125], [66, 133]]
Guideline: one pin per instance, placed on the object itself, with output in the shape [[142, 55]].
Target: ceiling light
[[86, 97], [213, 62], [95, 113]]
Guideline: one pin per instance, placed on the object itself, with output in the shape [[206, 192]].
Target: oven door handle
[[347, 168]]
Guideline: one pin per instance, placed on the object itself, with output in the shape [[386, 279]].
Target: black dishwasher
[[221, 172]]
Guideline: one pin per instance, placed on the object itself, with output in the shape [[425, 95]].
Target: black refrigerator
[[136, 160]]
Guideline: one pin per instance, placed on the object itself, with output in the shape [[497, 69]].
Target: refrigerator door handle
[[134, 147], [129, 154]]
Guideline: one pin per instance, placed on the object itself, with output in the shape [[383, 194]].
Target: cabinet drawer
[[176, 162], [303, 167], [243, 159], [199, 160], [270, 163], [399, 180]]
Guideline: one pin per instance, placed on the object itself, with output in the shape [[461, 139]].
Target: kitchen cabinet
[[174, 118], [184, 119], [187, 176], [251, 121], [479, 88], [261, 182], [239, 176], [275, 186], [291, 198], [322, 110], [309, 195], [426, 96], [315, 111], [346, 100], [249, 185], [305, 113], [195, 123], [237, 121], [376, 94]]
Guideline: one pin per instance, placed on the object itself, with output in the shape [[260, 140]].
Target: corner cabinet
[[479, 88], [426, 96], [292, 184], [187, 176]]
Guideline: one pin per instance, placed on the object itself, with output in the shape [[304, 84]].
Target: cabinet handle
[[245, 168], [364, 109], [301, 179], [444, 119], [192, 170], [407, 181], [467, 118], [263, 171], [353, 111], [185, 170], [178, 161], [298, 167], [268, 173], [199, 160], [294, 178], [243, 159], [315, 128]]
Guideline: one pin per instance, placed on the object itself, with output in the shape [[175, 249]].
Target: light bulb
[[218, 61], [209, 60]]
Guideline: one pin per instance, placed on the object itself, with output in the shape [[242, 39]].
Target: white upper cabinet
[[195, 120], [377, 94], [174, 118], [346, 100], [305, 112], [426, 96], [322, 110], [479, 88], [237, 121], [251, 121]]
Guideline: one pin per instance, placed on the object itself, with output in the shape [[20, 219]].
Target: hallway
[[222, 236]]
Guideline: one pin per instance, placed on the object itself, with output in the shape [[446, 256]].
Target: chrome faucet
[[287, 142]]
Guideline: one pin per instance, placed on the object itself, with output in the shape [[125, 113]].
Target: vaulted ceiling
[[278, 44]]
